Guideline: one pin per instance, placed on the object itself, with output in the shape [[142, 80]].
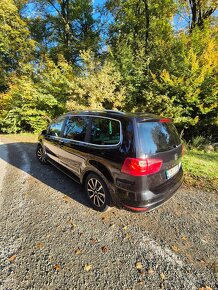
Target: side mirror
[[44, 132]]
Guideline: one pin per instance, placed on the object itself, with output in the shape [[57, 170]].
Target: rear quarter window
[[105, 131], [155, 137]]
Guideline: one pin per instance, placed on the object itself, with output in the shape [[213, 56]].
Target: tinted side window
[[76, 128], [56, 127], [105, 131]]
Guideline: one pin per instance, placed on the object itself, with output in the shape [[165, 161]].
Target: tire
[[40, 154], [97, 192]]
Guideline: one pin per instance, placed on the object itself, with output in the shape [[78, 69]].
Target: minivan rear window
[[155, 137]]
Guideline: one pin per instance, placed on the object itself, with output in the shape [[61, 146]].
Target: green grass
[[201, 168]]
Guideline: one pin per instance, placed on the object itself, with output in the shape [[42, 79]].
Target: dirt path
[[51, 239]]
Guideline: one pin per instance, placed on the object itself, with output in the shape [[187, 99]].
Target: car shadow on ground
[[20, 154]]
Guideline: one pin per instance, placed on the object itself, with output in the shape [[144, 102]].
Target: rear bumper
[[153, 198]]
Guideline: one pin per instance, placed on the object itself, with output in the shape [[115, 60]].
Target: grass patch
[[22, 137], [201, 168]]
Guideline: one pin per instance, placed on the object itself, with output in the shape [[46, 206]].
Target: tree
[[192, 83], [200, 11], [139, 38], [16, 46], [64, 27], [166, 71], [31, 102], [197, 12], [98, 86]]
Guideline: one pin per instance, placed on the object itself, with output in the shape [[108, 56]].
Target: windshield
[[157, 137]]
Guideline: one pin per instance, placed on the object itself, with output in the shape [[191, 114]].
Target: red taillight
[[141, 166], [165, 120]]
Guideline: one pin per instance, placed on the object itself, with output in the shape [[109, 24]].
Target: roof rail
[[114, 111]]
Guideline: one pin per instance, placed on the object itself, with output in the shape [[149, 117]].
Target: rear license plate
[[172, 171]]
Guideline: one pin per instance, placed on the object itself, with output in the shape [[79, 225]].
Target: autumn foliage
[[135, 55]]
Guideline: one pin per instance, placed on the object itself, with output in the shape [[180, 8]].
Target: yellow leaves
[[138, 265], [170, 79], [126, 235], [14, 30], [165, 76], [88, 267], [205, 288], [162, 276], [184, 238], [175, 248], [192, 60], [77, 251], [210, 55]]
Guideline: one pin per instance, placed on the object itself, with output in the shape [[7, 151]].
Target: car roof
[[140, 116]]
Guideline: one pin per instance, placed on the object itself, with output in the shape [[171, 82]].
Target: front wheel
[[97, 192], [40, 154]]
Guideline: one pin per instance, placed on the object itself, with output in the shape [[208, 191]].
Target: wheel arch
[[98, 168]]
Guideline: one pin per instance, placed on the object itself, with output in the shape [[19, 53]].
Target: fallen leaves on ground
[[105, 249], [162, 276], [138, 265], [205, 288], [57, 267], [150, 271], [87, 267], [72, 225], [66, 199], [93, 241], [12, 258], [78, 251], [39, 245], [175, 248]]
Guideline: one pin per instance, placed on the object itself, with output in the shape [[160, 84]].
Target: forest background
[[135, 55]]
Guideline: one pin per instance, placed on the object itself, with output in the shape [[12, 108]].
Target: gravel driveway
[[51, 239]]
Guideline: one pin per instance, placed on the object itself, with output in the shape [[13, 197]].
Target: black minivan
[[130, 159]]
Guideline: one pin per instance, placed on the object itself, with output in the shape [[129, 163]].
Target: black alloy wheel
[[97, 192], [40, 154]]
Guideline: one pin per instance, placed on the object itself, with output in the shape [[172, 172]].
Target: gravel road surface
[[51, 239]]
